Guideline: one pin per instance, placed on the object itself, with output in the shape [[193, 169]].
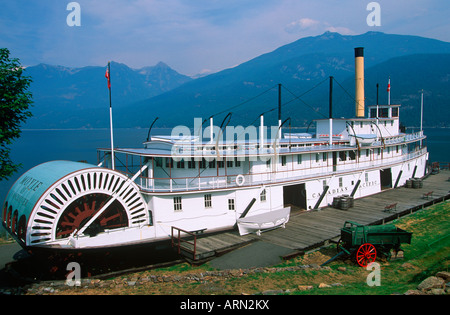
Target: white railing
[[233, 181]]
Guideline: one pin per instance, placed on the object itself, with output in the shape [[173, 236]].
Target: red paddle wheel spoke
[[79, 212], [366, 254]]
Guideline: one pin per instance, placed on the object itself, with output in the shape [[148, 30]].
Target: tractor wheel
[[366, 254]]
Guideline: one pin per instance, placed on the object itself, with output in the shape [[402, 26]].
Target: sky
[[196, 36]]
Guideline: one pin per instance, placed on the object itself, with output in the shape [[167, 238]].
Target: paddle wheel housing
[[54, 200]]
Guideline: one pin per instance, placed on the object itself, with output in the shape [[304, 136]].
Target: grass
[[427, 254]]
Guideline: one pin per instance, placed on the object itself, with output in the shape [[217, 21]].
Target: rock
[[337, 284], [444, 275], [413, 292], [305, 287], [343, 269], [407, 266], [431, 283], [272, 292], [437, 291]]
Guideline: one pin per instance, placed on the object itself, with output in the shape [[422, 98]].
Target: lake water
[[38, 146]]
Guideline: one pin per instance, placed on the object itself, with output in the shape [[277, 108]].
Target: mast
[[331, 111], [108, 76]]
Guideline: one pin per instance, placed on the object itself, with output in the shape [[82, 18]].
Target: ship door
[[386, 178], [334, 161], [295, 196]]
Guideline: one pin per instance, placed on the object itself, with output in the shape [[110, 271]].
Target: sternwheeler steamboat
[[185, 182]]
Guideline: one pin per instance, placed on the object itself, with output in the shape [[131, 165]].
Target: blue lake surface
[[38, 146]]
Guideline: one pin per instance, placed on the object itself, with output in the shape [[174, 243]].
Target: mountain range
[[78, 98]]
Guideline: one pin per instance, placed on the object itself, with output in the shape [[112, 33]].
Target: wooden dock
[[309, 229]]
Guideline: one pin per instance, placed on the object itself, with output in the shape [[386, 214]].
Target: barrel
[[345, 203], [417, 183], [336, 202], [409, 183]]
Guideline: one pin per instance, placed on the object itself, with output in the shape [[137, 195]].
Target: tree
[[15, 100]]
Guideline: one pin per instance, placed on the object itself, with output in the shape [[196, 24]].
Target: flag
[[389, 91], [107, 76]]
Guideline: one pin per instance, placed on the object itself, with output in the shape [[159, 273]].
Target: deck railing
[[237, 180], [177, 241]]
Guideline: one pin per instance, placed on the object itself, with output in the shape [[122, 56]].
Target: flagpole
[[110, 116], [389, 91]]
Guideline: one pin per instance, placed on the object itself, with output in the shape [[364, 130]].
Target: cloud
[[301, 25], [341, 30], [308, 25]]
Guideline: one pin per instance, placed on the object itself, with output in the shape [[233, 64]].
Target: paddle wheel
[[60, 200]]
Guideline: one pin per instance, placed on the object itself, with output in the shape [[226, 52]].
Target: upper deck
[[184, 163]]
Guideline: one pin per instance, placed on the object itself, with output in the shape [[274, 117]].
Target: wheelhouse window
[[177, 206]]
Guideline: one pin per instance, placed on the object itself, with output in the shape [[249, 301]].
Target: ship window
[[268, 163], [395, 112], [202, 163], [237, 163], [299, 159], [343, 155], [283, 160], [212, 164], [352, 155], [229, 163], [169, 162], [367, 177], [263, 196], [373, 112], [220, 164], [180, 164], [208, 201], [177, 204], [383, 112], [340, 181], [191, 163], [324, 156], [231, 204], [317, 158]]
